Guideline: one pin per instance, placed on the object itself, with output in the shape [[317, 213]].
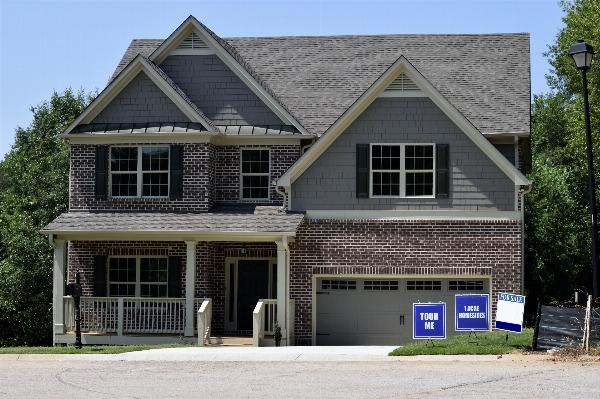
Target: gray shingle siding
[[476, 181], [217, 91], [141, 101]]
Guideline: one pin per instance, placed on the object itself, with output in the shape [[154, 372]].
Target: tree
[[35, 180], [558, 240]]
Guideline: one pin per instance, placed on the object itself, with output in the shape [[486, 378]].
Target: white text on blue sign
[[511, 298], [471, 312]]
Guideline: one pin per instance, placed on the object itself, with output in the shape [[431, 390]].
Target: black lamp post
[[582, 54]]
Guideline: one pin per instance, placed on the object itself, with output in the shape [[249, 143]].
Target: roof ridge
[[237, 56], [182, 94]]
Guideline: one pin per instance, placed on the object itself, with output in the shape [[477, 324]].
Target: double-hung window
[[139, 171], [255, 173], [402, 170], [138, 277]]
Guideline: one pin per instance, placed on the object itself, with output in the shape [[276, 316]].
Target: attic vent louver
[[192, 42], [403, 83]]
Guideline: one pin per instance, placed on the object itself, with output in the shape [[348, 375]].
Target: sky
[[48, 46]]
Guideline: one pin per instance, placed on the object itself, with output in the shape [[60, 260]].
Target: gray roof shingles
[[486, 77], [265, 219]]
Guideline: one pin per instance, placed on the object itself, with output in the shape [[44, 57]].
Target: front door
[[253, 284]]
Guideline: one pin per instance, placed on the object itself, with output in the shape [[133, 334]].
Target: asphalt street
[[271, 372]]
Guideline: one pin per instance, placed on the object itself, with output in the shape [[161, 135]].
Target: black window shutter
[[442, 172], [101, 184], [174, 277], [176, 178], [100, 276], [362, 171]]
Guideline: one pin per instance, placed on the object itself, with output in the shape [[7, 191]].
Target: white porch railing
[[204, 317], [263, 319], [128, 315]]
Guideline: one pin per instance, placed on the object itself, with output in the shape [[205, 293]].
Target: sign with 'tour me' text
[[429, 320]]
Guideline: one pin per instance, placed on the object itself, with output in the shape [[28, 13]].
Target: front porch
[[150, 321], [158, 283]]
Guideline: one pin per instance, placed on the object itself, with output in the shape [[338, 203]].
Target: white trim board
[[136, 66], [412, 215], [402, 65], [191, 24]]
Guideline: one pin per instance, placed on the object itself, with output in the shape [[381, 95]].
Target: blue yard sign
[[429, 320], [472, 312], [509, 312]]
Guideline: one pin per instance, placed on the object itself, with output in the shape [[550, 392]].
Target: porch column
[[58, 285], [282, 270], [190, 285]]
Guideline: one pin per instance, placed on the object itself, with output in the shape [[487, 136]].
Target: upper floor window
[[139, 171], [402, 170], [255, 174], [138, 277]]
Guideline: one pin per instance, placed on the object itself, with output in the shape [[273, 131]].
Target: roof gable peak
[[169, 88]]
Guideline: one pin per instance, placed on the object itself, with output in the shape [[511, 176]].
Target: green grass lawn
[[491, 343], [64, 350]]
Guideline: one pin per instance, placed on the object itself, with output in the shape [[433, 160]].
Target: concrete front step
[[230, 341]]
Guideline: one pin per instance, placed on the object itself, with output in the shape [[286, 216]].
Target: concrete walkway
[[282, 354]]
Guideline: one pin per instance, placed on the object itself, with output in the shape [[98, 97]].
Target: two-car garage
[[378, 311]]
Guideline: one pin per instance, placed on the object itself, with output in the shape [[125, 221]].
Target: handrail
[[204, 321], [127, 314], [260, 324]]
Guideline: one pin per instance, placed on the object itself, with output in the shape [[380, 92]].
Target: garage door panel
[[383, 323], [338, 340], [329, 324]]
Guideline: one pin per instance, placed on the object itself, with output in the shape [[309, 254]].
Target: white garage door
[[356, 311]]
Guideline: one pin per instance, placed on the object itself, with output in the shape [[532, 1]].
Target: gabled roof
[[233, 60], [402, 65], [137, 65], [486, 77]]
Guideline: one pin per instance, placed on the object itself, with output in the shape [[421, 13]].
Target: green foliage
[[34, 181], [277, 334], [558, 240], [490, 343]]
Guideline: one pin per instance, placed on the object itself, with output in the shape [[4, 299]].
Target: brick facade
[[401, 248], [228, 170], [211, 174]]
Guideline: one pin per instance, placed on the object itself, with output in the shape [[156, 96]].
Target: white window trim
[[138, 283], [402, 171], [139, 171], [254, 174]]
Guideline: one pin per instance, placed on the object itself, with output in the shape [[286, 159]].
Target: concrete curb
[[284, 354]]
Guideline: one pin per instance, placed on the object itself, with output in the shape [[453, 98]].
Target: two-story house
[[326, 183]]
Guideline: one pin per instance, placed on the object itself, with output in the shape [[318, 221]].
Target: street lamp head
[[582, 54]]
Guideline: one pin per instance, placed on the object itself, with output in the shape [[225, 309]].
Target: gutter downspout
[[284, 194], [522, 192]]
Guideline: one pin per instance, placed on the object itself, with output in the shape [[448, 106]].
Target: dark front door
[[253, 284]]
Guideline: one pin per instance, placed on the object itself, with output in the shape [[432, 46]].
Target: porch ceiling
[[223, 223]]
